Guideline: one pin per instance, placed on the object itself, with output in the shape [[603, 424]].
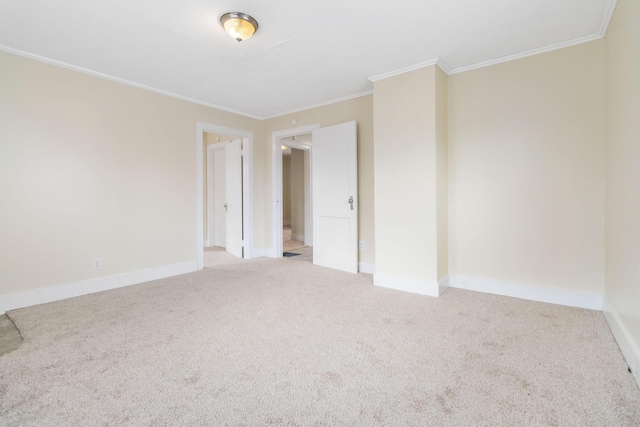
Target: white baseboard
[[422, 287], [580, 299], [366, 267], [259, 252], [265, 252], [298, 237], [628, 346], [90, 286]]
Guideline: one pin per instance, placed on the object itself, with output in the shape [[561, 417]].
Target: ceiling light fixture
[[239, 25]]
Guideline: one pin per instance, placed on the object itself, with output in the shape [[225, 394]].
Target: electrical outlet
[[96, 263], [361, 246]]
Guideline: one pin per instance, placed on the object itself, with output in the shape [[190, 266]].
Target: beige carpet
[[275, 342], [10, 338], [215, 256]]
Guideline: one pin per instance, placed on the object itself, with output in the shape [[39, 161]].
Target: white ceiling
[[305, 53]]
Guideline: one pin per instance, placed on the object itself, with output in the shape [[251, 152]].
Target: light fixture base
[[238, 25]]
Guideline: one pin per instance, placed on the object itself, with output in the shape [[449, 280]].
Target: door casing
[[233, 194], [276, 185], [212, 238], [247, 183]]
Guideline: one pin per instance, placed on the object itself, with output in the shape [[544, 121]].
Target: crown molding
[[436, 61], [527, 53], [321, 104], [444, 67], [120, 80], [611, 6], [425, 64]]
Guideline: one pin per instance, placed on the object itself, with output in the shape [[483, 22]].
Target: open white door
[[233, 172], [335, 197], [219, 199]]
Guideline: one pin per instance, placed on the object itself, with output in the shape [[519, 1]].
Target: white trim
[[449, 71], [247, 195], [527, 53], [422, 287], [298, 237], [308, 202], [120, 80], [247, 191], [167, 93], [569, 298], [366, 267], [611, 7], [276, 184], [444, 67], [90, 286], [628, 346], [199, 198], [404, 70], [265, 252], [211, 215], [321, 104]]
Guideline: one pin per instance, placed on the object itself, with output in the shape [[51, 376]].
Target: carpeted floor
[[276, 342], [215, 256], [10, 338]]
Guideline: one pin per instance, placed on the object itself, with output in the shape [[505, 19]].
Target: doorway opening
[[224, 193], [331, 217], [292, 191], [223, 199], [295, 163]]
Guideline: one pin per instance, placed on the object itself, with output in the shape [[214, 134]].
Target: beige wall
[[358, 109], [405, 110], [623, 165], [526, 170], [442, 172], [87, 164], [90, 168], [286, 189], [297, 193]]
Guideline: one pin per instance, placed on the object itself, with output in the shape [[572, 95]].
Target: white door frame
[[276, 185], [211, 214], [247, 186]]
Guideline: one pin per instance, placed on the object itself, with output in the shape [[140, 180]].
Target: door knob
[[351, 202], [225, 207]]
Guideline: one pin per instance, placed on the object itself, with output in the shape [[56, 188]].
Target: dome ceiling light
[[238, 25]]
